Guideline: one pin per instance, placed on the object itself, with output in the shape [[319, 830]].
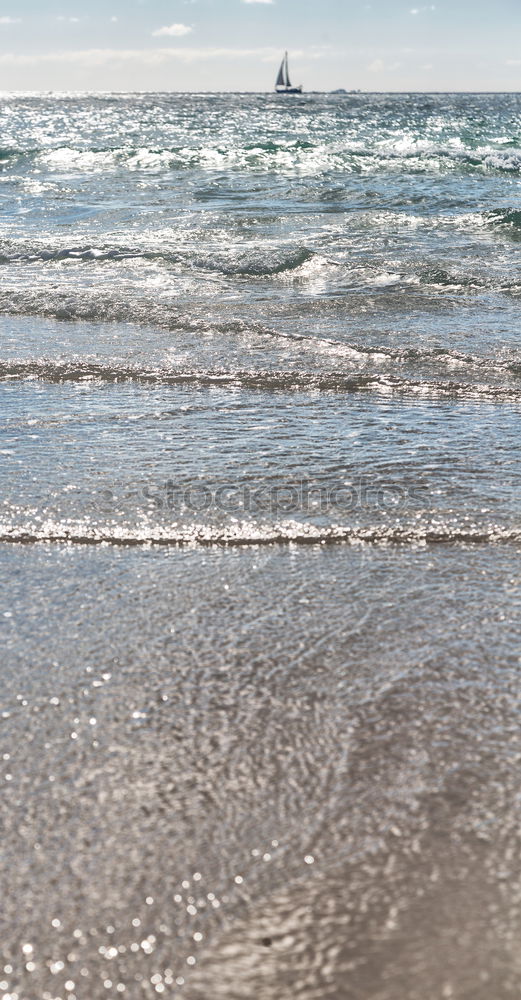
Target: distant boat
[[283, 83]]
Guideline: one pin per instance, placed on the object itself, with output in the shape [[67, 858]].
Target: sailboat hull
[[288, 90]]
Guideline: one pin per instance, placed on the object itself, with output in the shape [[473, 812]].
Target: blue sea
[[260, 521]]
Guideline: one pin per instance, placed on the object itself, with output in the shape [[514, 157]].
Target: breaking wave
[[250, 263], [308, 157], [285, 261], [267, 380], [248, 534], [350, 155], [506, 219]]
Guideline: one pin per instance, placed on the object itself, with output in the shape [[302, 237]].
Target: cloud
[[258, 1], [378, 66], [421, 10], [10, 20], [69, 20], [177, 30]]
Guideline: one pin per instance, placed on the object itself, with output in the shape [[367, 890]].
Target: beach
[[259, 535]]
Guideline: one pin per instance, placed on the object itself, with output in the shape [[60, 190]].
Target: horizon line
[[255, 93]]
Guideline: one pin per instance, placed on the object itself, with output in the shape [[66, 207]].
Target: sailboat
[[283, 82]]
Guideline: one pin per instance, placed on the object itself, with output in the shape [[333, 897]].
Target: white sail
[[287, 82]]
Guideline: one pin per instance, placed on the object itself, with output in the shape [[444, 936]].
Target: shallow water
[[259, 531]]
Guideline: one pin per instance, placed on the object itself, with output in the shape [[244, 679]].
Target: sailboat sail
[[281, 82], [287, 82]]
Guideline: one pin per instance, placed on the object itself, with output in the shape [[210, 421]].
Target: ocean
[[260, 523]]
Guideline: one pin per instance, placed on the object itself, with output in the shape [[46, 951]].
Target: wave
[[502, 218], [308, 157], [506, 219], [143, 311], [263, 379], [16, 253], [251, 263], [450, 359], [254, 264], [261, 262], [248, 534], [8, 153]]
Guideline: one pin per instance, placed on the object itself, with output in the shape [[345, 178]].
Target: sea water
[[259, 529]]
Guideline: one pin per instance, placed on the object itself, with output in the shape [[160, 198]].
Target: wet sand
[[261, 773]]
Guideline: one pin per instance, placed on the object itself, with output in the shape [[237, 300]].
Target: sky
[[220, 45]]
